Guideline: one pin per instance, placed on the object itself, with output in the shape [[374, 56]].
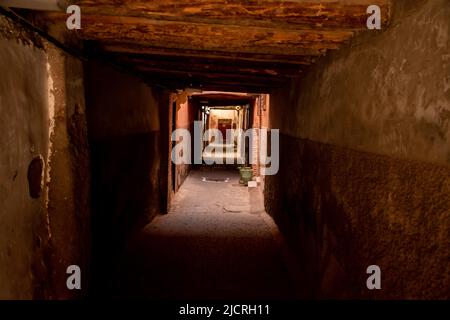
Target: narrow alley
[[234, 150], [214, 244]]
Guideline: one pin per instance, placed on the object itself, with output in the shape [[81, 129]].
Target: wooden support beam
[[247, 44], [222, 100], [308, 56], [175, 84], [201, 81], [192, 65], [234, 88], [207, 76], [211, 86], [182, 75], [201, 36], [288, 14]]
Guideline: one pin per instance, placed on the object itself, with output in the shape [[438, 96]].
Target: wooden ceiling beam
[[227, 87], [307, 56], [230, 61], [195, 36], [174, 84], [288, 14], [199, 80], [211, 66], [217, 44], [207, 76]]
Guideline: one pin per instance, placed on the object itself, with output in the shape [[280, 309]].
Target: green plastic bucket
[[246, 175]]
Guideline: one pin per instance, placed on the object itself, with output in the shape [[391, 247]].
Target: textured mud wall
[[387, 92], [343, 210], [364, 170], [185, 120], [24, 106], [69, 208], [124, 134], [42, 108], [124, 131]]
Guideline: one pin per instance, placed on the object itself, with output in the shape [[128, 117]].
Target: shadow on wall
[[44, 189], [364, 170], [343, 210], [124, 137]]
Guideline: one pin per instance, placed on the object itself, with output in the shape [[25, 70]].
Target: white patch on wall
[[51, 129]]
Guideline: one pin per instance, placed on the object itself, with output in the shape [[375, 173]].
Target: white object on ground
[[252, 184]]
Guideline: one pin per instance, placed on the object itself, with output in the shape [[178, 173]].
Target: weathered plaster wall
[[185, 115], [122, 99], [41, 102], [185, 120], [24, 106], [364, 162], [343, 210], [387, 92], [124, 134], [69, 207]]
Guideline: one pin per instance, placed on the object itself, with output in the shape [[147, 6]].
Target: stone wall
[[124, 134], [44, 185], [364, 167]]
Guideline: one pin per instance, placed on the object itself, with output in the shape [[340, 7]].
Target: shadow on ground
[[210, 246]]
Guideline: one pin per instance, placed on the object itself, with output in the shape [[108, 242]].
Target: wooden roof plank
[[195, 36], [292, 14]]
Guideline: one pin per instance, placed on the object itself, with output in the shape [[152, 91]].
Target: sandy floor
[[214, 244]]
